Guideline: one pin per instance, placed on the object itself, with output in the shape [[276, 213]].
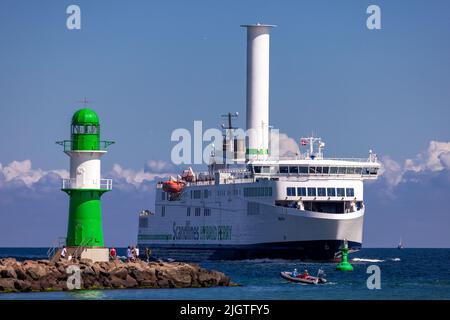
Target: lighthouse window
[[188, 211], [340, 192], [197, 212], [206, 212], [163, 196], [321, 192], [350, 192], [205, 194], [284, 169], [293, 169], [290, 192], [331, 192], [333, 170], [311, 192], [303, 170], [163, 211], [301, 192]]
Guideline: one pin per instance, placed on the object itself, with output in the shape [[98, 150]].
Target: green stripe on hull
[[85, 218]]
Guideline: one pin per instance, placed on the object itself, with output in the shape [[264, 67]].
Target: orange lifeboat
[[172, 186]]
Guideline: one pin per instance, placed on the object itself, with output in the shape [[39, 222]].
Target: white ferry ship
[[261, 206]]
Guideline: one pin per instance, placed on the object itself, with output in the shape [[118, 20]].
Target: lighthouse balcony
[[101, 184], [70, 145]]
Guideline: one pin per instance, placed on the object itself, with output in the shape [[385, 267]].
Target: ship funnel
[[257, 118]]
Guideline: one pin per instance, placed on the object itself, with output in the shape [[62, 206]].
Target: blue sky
[[153, 66]]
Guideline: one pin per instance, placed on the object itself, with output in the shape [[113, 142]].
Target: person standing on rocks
[[129, 254], [148, 253], [136, 250], [113, 253], [64, 252]]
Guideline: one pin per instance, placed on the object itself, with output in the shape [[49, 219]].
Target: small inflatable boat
[[302, 279]]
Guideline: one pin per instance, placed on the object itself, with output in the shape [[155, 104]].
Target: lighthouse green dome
[[85, 117]]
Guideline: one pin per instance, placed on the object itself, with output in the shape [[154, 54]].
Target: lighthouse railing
[[72, 183], [67, 144]]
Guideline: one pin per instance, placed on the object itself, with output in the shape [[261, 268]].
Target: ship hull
[[273, 232], [318, 250]]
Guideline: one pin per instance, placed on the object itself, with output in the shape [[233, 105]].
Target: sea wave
[[366, 260]]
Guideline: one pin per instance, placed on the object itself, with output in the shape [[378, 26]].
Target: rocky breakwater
[[42, 275]]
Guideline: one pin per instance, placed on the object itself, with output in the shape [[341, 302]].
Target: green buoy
[[344, 265]]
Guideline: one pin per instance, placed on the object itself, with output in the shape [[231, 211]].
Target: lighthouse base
[[95, 254]]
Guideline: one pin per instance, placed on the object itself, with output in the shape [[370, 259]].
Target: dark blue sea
[[405, 274]]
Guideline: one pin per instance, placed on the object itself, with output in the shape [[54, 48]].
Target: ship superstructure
[[260, 205]]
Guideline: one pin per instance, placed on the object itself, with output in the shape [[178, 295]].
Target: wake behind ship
[[261, 205]]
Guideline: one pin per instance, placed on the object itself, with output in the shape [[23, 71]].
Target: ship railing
[[72, 183], [369, 159]]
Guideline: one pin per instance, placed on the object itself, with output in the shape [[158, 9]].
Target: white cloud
[[436, 158], [22, 171], [19, 173]]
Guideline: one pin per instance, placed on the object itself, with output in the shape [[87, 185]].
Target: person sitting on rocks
[[113, 253], [129, 254], [64, 252]]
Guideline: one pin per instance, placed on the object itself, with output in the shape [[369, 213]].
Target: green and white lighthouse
[[85, 186]]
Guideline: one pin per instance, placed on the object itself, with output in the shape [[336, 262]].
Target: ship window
[[257, 169], [318, 169], [265, 169], [350, 170], [333, 170], [312, 169], [373, 171], [350, 192], [274, 169], [325, 170], [290, 192], [293, 169], [205, 194], [163, 211], [311, 192], [163, 196], [341, 170], [284, 169], [188, 211], [303, 170], [197, 194], [358, 170], [301, 192], [197, 212], [321, 192], [331, 192], [340, 192]]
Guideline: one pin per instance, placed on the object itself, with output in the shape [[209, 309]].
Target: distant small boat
[[302, 279], [400, 244]]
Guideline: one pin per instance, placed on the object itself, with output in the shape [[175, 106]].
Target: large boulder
[[7, 285], [7, 272]]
